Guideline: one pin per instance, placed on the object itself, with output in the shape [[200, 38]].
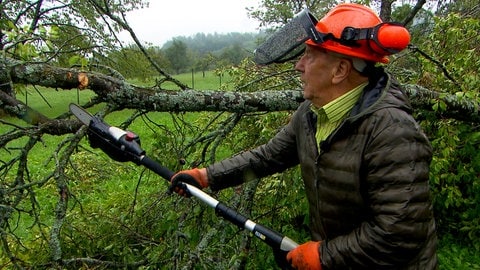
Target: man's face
[[317, 68]]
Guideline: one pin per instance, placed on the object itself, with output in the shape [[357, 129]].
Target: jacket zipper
[[312, 127]]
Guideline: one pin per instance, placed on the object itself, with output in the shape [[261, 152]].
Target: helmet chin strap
[[358, 64]]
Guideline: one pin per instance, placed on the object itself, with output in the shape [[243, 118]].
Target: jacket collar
[[382, 92]]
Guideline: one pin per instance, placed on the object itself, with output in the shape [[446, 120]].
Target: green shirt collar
[[338, 108]]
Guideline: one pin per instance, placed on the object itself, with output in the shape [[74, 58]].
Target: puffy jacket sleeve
[[399, 222], [275, 156]]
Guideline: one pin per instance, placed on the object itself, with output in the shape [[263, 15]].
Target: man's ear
[[342, 70]]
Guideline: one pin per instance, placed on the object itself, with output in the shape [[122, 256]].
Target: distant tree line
[[200, 52]]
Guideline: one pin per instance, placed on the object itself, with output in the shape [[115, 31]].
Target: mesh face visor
[[289, 41]]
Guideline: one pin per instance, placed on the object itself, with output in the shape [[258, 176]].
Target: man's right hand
[[195, 177]]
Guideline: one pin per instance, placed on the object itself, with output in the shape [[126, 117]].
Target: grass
[[198, 80], [452, 255]]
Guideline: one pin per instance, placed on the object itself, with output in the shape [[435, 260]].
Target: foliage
[[132, 64], [27, 30], [273, 14], [177, 55], [453, 254], [456, 161]]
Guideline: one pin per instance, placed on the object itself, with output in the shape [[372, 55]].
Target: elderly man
[[364, 160]]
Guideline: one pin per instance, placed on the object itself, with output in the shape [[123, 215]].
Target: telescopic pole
[[269, 236]]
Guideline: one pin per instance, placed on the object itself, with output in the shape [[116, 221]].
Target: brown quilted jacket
[[367, 184]]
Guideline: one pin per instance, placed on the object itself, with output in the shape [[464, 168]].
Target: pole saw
[[121, 145]]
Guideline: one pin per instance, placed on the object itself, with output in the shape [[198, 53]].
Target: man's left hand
[[305, 256]]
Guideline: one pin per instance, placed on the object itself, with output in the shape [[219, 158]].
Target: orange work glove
[[305, 256], [195, 177]]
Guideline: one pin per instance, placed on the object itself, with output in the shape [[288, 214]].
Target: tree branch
[[123, 95], [418, 6], [436, 62]]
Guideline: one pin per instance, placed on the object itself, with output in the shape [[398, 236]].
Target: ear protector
[[384, 38]]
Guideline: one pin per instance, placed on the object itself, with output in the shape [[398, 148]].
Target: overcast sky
[[165, 19]]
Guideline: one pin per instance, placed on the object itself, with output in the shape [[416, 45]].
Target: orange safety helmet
[[359, 32]]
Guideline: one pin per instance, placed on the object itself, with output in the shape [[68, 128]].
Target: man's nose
[[299, 66]]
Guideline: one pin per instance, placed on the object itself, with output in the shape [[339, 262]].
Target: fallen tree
[[120, 94]]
